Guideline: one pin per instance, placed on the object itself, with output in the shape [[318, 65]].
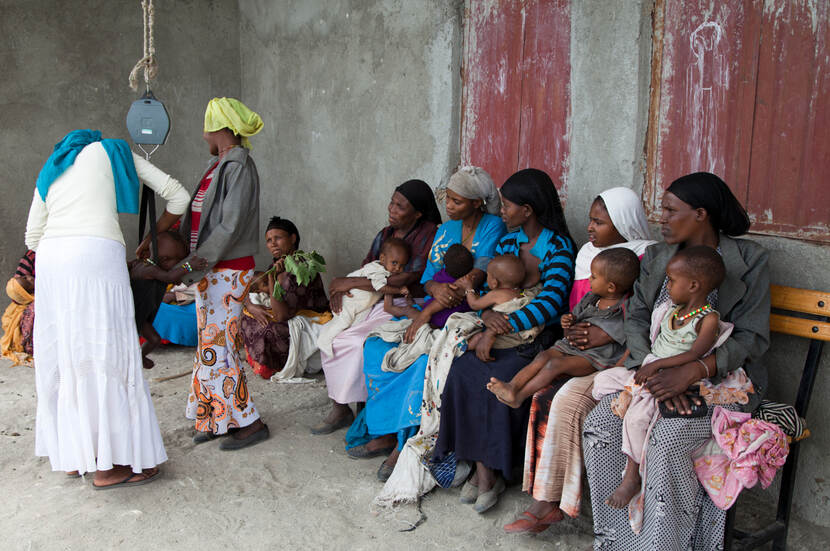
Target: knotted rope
[[148, 62]]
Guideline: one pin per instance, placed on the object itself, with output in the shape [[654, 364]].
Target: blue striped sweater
[[556, 268]]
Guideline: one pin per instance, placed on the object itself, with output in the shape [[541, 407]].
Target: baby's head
[[458, 261], [505, 271], [394, 254], [259, 284], [613, 272], [694, 271], [172, 249], [27, 282]]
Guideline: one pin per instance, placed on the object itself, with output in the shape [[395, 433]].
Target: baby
[[689, 330], [613, 272], [394, 254], [458, 262], [505, 275], [148, 281]]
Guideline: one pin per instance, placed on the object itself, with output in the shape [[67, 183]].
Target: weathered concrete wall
[[65, 66], [610, 72], [357, 97]]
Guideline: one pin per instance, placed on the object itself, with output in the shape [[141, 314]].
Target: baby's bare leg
[[559, 365], [513, 393], [628, 488]]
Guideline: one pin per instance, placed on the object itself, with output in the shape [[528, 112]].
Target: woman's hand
[[336, 301], [584, 335], [496, 322], [671, 383], [448, 295], [340, 285], [279, 265], [412, 330], [484, 345], [198, 263], [143, 250], [259, 313]]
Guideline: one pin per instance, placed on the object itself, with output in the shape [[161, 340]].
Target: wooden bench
[[802, 313]]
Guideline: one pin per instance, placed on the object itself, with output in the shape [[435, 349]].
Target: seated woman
[[392, 412], [265, 328], [475, 425], [413, 217], [697, 209], [19, 317], [553, 452]]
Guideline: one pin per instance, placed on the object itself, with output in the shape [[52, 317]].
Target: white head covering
[[472, 182], [626, 212]]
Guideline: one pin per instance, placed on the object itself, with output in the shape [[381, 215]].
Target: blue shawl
[[121, 159]]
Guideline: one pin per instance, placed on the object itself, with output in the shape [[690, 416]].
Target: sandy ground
[[293, 491]]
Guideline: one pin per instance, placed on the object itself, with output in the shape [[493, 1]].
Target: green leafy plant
[[302, 265]]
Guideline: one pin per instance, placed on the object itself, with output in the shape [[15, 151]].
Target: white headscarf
[[472, 182], [626, 212]]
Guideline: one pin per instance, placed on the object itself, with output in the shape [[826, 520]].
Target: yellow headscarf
[[233, 114], [11, 346]]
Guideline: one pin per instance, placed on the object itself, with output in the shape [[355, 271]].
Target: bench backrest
[[802, 313]]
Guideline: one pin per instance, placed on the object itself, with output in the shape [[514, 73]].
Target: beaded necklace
[[703, 309]]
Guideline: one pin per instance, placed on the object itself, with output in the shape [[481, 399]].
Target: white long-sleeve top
[[81, 201]]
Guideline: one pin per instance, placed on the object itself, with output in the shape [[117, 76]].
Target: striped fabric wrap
[[556, 270], [785, 416]]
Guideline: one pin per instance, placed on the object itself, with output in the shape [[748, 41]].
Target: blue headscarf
[[121, 159]]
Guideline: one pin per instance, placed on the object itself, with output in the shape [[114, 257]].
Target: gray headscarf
[[472, 182]]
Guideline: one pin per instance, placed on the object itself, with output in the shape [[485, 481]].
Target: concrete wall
[[65, 66], [357, 97]]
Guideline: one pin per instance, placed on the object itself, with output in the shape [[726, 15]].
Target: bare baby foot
[[627, 489], [504, 392]]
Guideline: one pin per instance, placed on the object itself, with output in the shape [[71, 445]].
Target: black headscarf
[[420, 195], [534, 187], [707, 191], [286, 225]]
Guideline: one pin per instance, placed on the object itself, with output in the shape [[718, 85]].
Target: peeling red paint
[[742, 88], [516, 98]]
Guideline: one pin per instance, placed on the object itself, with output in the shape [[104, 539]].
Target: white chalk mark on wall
[[707, 82]]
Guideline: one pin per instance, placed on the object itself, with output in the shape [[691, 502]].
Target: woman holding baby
[[674, 511], [392, 412], [475, 426], [413, 217]]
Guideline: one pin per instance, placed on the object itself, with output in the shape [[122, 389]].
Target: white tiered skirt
[[93, 404]]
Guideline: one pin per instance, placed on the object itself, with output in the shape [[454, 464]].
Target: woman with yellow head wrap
[[234, 115], [222, 226]]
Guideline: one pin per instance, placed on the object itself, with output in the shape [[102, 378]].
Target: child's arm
[[494, 297], [421, 318], [399, 311], [148, 270], [707, 334]]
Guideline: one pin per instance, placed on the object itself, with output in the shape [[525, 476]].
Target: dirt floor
[[293, 491]]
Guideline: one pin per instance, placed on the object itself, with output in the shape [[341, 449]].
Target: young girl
[[688, 331], [613, 272], [616, 219]]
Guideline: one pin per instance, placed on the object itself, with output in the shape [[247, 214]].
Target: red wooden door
[[516, 95], [741, 88]]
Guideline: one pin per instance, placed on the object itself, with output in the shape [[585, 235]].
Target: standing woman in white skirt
[[94, 411]]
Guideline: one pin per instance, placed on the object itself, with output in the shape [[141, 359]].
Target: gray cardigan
[[743, 299], [229, 225]]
